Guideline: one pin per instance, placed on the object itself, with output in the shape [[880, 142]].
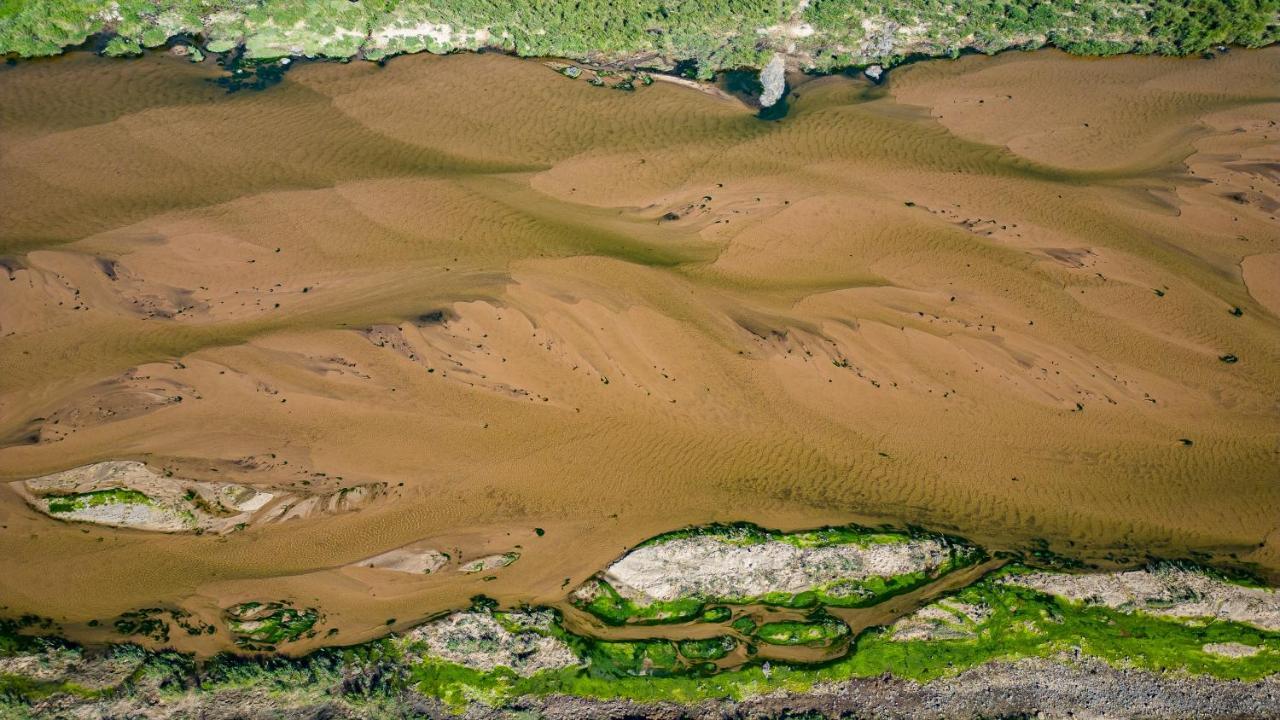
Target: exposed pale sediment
[[489, 562], [129, 494], [416, 558], [709, 566], [1167, 591], [1232, 649], [946, 619]]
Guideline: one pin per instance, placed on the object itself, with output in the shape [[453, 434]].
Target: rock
[[773, 78], [875, 72]]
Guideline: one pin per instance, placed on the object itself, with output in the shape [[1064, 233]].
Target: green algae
[[262, 626], [819, 631], [614, 609], [607, 604], [1022, 623], [82, 501], [716, 614], [1015, 623], [708, 649]]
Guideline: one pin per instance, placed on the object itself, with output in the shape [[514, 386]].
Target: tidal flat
[[403, 366]]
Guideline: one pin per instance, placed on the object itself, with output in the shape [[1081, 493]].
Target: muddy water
[[522, 302]]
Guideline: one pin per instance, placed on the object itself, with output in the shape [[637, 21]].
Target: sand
[[515, 302]]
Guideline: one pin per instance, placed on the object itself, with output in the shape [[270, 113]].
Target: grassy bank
[[697, 38]]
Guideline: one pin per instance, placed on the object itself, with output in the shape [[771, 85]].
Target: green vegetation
[[259, 626], [717, 614], [614, 609], [145, 622], [150, 623], [607, 604], [1085, 27], [696, 36], [709, 649], [819, 631], [1014, 622], [81, 501], [1022, 623]]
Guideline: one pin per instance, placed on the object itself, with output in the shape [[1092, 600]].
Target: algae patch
[[130, 494], [672, 577], [263, 626]]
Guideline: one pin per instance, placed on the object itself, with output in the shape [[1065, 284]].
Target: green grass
[[81, 501]]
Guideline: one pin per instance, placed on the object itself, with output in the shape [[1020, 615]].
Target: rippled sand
[[989, 297]]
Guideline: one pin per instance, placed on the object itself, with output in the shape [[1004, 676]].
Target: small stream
[[858, 619]]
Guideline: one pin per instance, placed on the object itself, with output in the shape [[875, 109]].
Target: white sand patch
[[1231, 649], [441, 33], [1170, 592], [415, 559], [710, 567], [944, 620], [490, 562]]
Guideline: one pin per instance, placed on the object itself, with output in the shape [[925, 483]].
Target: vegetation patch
[[263, 626], [716, 614], [672, 577], [815, 632], [82, 501], [605, 603], [694, 39], [709, 649], [494, 657]]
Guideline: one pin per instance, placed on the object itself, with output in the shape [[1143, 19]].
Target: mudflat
[[993, 296]]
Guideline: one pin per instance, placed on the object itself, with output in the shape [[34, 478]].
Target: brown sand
[[926, 303]]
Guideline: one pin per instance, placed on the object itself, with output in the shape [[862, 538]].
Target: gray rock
[[773, 78]]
